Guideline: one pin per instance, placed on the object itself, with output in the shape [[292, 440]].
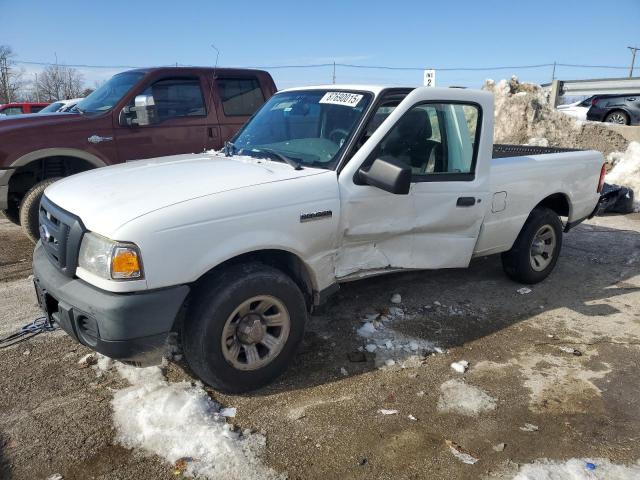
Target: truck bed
[[521, 174], [503, 150]]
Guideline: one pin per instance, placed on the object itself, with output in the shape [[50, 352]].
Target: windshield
[[310, 127], [53, 107], [105, 97]]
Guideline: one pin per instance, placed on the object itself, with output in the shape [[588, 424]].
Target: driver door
[[182, 121], [437, 134]]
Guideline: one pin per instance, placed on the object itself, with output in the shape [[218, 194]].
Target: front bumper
[[131, 327]]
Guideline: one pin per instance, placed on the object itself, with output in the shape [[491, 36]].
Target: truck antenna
[[213, 84], [217, 57]]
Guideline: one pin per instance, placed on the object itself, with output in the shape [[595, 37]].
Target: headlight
[[108, 259]]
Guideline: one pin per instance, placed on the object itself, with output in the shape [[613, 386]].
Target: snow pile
[[460, 366], [626, 170], [458, 397], [180, 422], [577, 469], [390, 345], [523, 115]]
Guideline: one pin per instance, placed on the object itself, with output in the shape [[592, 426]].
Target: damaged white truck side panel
[[424, 229]]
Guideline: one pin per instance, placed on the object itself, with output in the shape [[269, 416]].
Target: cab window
[[177, 97], [240, 96], [437, 140], [12, 111]]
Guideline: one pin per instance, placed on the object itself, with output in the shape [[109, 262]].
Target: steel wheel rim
[[542, 248], [617, 118], [255, 333]]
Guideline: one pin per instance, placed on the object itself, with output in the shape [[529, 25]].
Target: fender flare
[[58, 152]]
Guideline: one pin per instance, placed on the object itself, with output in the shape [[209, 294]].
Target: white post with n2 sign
[[429, 78]]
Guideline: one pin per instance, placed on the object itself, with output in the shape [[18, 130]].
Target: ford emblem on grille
[[44, 234]]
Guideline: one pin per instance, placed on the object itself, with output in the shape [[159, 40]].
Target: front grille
[[60, 233]]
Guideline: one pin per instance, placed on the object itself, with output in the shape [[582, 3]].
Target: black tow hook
[[30, 330]]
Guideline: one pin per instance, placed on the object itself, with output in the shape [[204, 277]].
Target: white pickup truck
[[323, 185]]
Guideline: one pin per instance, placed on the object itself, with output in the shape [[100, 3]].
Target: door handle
[[213, 132], [466, 202], [631, 99]]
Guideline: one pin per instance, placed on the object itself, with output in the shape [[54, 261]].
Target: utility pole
[[633, 59], [37, 89], [334, 72], [553, 73]]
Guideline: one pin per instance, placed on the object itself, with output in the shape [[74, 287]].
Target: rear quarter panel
[[527, 181]]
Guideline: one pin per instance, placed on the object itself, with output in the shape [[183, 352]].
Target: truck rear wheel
[[536, 250], [244, 327], [30, 206]]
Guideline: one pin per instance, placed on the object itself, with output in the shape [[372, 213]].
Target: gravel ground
[[319, 423]]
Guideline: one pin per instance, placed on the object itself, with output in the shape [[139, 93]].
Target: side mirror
[[391, 176], [143, 112]]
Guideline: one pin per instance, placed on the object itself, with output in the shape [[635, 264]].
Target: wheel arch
[[33, 167], [558, 202], [58, 152], [284, 260]]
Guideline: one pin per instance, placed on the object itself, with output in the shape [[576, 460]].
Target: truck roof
[[225, 71], [375, 89]]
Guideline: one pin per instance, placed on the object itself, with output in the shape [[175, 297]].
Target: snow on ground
[[181, 423], [391, 346], [459, 397], [626, 170], [577, 469]]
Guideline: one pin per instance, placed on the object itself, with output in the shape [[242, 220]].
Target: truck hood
[[12, 122], [109, 197]]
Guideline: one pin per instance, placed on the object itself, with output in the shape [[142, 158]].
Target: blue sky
[[453, 33]]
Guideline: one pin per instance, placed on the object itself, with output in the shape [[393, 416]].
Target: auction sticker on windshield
[[341, 98]]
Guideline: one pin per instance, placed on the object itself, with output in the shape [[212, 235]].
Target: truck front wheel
[[536, 250], [30, 206], [243, 327]]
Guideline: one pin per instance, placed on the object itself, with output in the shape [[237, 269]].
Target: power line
[[78, 65], [368, 67]]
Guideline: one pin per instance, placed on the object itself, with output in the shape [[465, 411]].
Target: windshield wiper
[[283, 158]]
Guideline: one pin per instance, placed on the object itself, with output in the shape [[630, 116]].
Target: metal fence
[[599, 86]]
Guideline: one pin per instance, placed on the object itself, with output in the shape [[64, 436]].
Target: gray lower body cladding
[[130, 327]]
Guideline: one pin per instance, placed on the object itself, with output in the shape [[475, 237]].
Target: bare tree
[[59, 82], [10, 77]]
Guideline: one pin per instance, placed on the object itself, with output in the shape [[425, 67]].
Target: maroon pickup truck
[[137, 114]]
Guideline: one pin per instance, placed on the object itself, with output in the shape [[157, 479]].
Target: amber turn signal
[[125, 263]]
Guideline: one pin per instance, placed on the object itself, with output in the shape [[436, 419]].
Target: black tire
[[12, 214], [215, 301], [517, 262], [617, 117], [30, 206]]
